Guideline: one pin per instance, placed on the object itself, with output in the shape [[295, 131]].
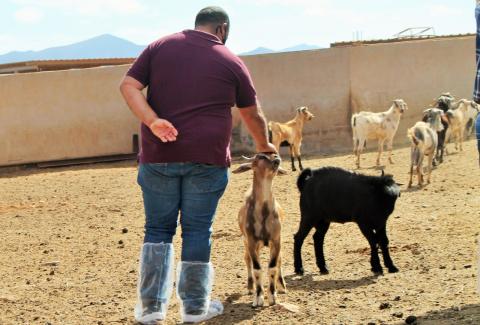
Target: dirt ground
[[65, 257]]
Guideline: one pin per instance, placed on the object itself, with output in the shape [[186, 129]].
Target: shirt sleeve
[[246, 95], [140, 69]]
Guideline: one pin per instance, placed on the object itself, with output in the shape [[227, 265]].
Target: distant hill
[[103, 46], [264, 50], [258, 50], [109, 46]]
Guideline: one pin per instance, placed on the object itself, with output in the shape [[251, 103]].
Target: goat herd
[[332, 194]]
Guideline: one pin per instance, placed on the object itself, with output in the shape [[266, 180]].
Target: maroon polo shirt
[[193, 81]]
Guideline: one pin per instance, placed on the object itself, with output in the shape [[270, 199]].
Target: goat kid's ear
[[242, 168], [281, 171]]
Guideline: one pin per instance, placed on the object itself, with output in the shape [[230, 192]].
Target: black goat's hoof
[[299, 271], [377, 271], [324, 271], [392, 269]]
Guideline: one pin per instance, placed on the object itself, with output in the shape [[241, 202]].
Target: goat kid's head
[[433, 116], [400, 105], [305, 113], [264, 165], [445, 101]]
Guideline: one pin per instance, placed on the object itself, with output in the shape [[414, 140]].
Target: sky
[[275, 24]]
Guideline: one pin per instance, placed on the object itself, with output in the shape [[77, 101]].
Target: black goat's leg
[[383, 240], [367, 231], [318, 239], [299, 238]]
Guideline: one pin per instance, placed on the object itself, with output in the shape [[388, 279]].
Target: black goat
[[332, 194]]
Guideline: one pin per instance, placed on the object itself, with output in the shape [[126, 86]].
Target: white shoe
[[215, 309]]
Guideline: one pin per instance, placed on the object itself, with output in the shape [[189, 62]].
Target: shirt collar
[[204, 35]]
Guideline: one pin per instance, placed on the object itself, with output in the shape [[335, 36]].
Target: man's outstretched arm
[[254, 119]]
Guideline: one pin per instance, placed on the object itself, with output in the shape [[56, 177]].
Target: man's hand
[[268, 147], [164, 130]]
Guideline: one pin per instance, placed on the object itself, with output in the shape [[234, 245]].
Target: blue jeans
[[189, 188], [476, 90]]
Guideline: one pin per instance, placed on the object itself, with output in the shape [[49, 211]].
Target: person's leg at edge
[[161, 187], [202, 188]]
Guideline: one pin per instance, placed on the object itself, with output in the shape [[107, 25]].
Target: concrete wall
[[63, 115], [80, 113]]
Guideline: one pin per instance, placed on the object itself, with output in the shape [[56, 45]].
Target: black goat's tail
[[303, 178]]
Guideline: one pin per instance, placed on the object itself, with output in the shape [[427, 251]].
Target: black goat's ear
[[242, 168]]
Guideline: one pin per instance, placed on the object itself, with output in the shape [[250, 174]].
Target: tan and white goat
[[380, 126], [260, 223], [461, 120], [424, 139], [291, 133]]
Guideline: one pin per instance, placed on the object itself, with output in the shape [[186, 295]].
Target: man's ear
[[242, 168]]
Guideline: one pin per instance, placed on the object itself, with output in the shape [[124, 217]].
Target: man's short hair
[[211, 16]]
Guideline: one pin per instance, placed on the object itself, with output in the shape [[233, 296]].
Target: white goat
[[424, 139], [473, 109], [260, 223], [380, 126], [291, 133], [458, 118]]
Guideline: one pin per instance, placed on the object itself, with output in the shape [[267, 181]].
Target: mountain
[[264, 50], [103, 46], [300, 47], [258, 50]]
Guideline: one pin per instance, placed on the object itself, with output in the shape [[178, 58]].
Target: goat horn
[[248, 158]]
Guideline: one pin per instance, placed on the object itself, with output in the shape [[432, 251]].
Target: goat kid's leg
[[296, 151], [257, 273], [383, 240], [292, 158], [299, 238], [318, 239], [282, 287], [411, 175], [248, 262], [430, 164], [367, 231], [380, 150], [273, 272], [390, 149]]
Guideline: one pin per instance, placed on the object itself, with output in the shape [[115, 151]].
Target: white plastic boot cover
[[194, 286], [155, 282]]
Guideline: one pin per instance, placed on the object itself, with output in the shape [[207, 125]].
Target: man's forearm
[[138, 104], [257, 125]]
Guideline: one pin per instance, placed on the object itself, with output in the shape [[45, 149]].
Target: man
[[476, 90], [193, 81]]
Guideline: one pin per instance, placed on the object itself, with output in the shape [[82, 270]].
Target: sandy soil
[[65, 259]]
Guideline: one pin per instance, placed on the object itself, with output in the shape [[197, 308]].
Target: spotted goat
[[376, 126], [260, 223]]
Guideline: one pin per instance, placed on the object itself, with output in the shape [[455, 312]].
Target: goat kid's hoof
[[257, 302], [299, 271], [324, 271], [272, 299], [392, 269]]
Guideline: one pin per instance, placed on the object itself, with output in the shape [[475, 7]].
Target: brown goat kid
[[291, 132], [260, 223]]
